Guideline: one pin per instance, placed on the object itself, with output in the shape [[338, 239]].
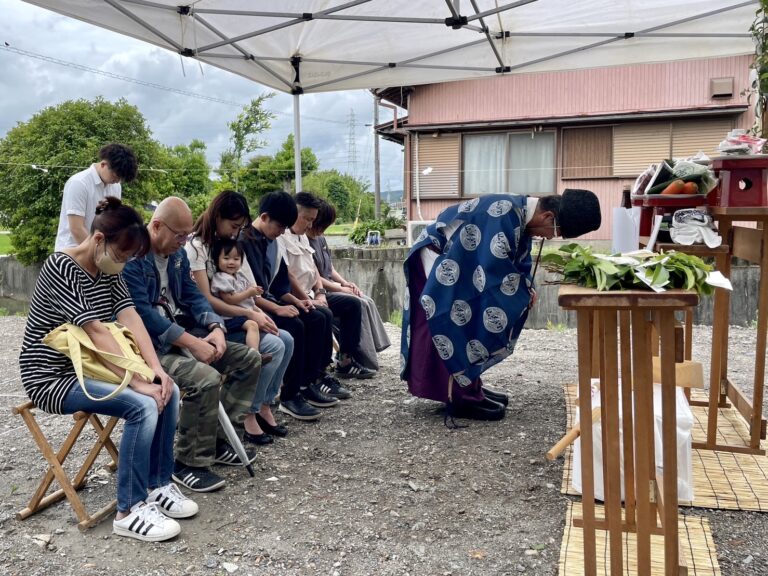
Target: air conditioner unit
[[416, 227]]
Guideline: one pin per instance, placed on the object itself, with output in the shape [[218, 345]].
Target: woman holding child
[[224, 277], [82, 286]]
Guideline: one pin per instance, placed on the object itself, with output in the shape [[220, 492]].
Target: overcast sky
[[29, 84]]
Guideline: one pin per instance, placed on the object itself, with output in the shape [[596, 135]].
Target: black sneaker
[[298, 408], [226, 455], [196, 479], [317, 395], [354, 370], [333, 387]]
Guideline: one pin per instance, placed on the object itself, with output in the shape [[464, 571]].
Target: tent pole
[[376, 161], [297, 141]]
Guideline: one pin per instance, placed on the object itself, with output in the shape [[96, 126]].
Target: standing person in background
[[84, 190], [83, 286], [373, 336], [225, 219]]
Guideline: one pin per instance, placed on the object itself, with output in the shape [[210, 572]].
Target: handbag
[[88, 360]]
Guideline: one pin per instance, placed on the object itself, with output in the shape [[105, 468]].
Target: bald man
[[190, 342]]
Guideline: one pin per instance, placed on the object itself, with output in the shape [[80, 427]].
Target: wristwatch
[[213, 325], [321, 292]]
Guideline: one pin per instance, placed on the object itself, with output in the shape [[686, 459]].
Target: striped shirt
[[64, 293]]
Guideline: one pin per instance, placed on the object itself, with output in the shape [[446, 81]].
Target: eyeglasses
[[178, 236], [119, 260]]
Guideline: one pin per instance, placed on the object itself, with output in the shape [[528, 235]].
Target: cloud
[[31, 84]]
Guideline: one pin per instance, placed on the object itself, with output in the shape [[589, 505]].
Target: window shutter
[[690, 136], [636, 146], [587, 152], [442, 155]]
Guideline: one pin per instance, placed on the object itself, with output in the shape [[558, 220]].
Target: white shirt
[[298, 256], [199, 257], [82, 193]]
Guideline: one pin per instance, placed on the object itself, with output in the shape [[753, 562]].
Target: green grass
[[339, 230], [396, 318], [5, 243]]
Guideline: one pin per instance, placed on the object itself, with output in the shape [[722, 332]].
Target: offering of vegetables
[[579, 265]]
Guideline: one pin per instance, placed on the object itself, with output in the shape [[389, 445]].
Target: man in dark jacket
[[189, 338]]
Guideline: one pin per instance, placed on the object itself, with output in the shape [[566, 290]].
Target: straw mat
[[696, 545], [722, 480]]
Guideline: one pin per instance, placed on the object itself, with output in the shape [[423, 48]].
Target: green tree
[[245, 132], [188, 170], [59, 141]]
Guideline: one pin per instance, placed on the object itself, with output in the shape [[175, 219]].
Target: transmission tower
[[351, 144]]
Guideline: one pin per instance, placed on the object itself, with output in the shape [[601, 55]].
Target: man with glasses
[[190, 342], [469, 288], [84, 190]]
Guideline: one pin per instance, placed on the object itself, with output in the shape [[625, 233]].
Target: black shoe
[[334, 388], [298, 408], [259, 439], [496, 396], [276, 430], [354, 370], [485, 410], [317, 395], [226, 455], [196, 479]]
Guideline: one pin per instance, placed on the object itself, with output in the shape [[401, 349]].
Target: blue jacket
[[143, 281]]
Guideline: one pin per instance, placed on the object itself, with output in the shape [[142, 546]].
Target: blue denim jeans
[[146, 448], [271, 376], [281, 348]]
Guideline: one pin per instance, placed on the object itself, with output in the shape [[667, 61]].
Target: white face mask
[[107, 264]]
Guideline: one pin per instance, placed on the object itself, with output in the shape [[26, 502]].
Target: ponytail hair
[[122, 226]]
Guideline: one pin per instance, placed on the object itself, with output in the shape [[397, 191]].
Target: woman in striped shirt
[[82, 286]]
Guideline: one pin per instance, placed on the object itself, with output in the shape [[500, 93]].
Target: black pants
[[312, 348], [348, 310]]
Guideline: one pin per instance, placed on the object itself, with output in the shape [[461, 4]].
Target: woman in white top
[[226, 217]]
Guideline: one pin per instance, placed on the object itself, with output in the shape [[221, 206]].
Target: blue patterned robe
[[477, 295]]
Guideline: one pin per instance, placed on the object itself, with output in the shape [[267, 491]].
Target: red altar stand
[[743, 181]]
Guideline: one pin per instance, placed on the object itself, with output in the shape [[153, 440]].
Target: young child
[[233, 287]]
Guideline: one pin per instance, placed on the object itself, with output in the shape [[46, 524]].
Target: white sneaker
[[172, 501], [146, 522]]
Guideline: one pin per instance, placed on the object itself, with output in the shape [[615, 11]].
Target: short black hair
[[122, 161], [279, 206], [307, 200], [225, 246]]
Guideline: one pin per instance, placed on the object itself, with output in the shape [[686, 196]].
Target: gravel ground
[[379, 486]]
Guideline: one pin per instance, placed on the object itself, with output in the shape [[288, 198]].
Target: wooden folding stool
[[69, 488]]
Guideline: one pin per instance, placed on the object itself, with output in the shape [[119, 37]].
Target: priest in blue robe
[[469, 289]]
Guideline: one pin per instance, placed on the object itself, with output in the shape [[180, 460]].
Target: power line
[[154, 85]]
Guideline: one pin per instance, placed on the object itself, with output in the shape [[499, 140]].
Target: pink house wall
[[670, 86], [618, 90]]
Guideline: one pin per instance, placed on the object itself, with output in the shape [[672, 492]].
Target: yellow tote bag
[[88, 360]]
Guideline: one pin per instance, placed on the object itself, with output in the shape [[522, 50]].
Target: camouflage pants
[[231, 380]]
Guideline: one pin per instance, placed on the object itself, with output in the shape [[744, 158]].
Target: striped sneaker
[[172, 502], [354, 370], [226, 455], [146, 522], [196, 479]]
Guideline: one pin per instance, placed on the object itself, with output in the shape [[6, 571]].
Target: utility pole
[[376, 163]]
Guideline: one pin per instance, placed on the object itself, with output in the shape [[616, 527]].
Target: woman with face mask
[[82, 286]]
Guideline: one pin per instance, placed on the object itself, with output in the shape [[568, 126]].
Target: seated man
[[307, 285], [306, 380], [189, 338], [373, 335], [469, 289]]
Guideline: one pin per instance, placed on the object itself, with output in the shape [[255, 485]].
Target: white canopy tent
[[303, 46]]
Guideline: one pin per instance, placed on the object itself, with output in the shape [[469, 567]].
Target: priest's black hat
[[579, 213]]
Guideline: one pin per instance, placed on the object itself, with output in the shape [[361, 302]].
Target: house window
[[516, 162]]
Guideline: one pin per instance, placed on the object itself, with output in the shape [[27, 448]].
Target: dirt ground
[[379, 486]]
